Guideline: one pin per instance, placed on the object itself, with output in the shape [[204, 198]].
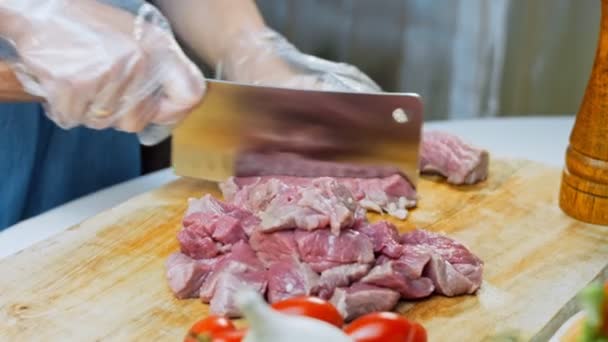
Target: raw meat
[[186, 275], [273, 247], [288, 236], [210, 227], [324, 204], [449, 156], [196, 243], [289, 279], [403, 275], [228, 284], [320, 203], [323, 250], [453, 268], [360, 299], [237, 269], [340, 276], [385, 238], [214, 208], [393, 194]]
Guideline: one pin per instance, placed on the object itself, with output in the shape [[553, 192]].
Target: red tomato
[[207, 328], [311, 307], [385, 327], [230, 336]]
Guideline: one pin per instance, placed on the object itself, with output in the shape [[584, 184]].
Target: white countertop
[[542, 139]]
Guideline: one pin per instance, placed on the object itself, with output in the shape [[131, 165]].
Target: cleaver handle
[[10, 87]]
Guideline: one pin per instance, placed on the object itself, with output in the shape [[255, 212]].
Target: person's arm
[[209, 26], [232, 34]]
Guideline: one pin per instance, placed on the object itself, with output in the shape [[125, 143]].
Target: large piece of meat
[[449, 156], [295, 235]]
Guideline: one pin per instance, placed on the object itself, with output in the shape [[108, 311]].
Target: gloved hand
[[267, 58], [264, 57], [98, 65]]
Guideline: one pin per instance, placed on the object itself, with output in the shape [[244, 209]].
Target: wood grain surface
[[105, 279]]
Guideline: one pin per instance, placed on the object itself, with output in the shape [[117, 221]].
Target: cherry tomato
[[311, 307], [385, 327], [230, 336], [207, 328]]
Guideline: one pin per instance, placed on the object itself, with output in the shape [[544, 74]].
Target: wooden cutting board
[[105, 279]]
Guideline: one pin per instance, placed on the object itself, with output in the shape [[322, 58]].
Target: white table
[[535, 138]]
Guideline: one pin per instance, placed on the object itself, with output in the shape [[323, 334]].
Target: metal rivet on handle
[[400, 115]]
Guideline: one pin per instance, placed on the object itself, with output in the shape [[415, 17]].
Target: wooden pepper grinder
[[584, 187]]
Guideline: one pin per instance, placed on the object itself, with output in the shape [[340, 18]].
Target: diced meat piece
[[196, 243], [447, 279], [273, 247], [449, 156], [228, 284], [206, 204], [186, 275], [453, 268], [403, 275], [385, 238], [240, 260], [210, 225], [206, 211], [340, 276], [323, 250], [227, 229], [392, 194], [291, 164], [360, 299], [289, 279]]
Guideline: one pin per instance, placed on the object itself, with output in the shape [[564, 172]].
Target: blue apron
[[43, 166]]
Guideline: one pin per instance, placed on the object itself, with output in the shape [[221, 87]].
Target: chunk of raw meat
[[290, 279], [392, 194], [204, 213], [186, 275], [196, 243], [360, 299], [385, 238], [403, 275], [325, 203], [450, 157], [323, 250], [228, 284], [241, 260], [273, 247], [318, 203], [453, 268], [340, 276], [210, 225]]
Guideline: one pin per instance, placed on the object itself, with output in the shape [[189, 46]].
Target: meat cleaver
[[241, 129], [238, 129]]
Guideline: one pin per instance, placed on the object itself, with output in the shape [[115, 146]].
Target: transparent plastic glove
[[99, 65], [267, 58]]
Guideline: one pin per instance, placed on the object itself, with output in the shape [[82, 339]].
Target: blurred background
[[467, 58]]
